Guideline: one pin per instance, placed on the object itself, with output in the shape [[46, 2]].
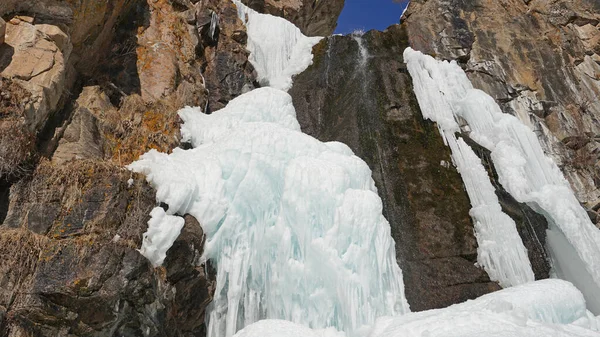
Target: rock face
[[85, 88], [542, 66], [313, 17], [36, 56]]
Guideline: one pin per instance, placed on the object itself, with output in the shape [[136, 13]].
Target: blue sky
[[369, 14]]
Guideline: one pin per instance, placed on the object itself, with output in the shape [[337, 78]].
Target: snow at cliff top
[[278, 50], [446, 96], [548, 308]]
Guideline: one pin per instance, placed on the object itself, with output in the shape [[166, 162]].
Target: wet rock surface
[[542, 66], [359, 92]]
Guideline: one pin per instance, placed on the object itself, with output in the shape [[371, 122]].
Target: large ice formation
[[500, 249], [552, 308], [294, 226], [446, 96]]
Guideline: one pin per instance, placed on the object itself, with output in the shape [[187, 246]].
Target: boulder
[[38, 62]]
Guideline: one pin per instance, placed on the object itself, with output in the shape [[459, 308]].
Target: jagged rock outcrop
[[36, 56], [542, 66], [313, 17]]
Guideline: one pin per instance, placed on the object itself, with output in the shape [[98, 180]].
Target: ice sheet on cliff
[[446, 96], [294, 226]]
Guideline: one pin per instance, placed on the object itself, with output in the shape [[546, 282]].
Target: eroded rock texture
[[539, 59]]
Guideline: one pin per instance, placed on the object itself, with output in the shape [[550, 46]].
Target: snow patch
[[552, 308], [163, 230]]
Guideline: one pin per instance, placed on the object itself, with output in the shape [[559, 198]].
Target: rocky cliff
[[86, 87], [539, 59]]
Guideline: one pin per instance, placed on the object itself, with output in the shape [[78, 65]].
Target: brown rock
[[37, 61], [82, 139]]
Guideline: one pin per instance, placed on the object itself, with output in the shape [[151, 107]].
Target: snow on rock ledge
[[278, 49]]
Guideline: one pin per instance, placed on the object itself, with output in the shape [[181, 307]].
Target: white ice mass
[[295, 227], [447, 97]]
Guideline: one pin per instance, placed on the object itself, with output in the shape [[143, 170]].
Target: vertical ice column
[[501, 251], [445, 94]]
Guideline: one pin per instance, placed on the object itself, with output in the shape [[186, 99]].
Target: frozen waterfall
[[447, 97], [294, 226]]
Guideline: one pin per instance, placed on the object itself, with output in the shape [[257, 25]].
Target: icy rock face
[[314, 18], [293, 225], [364, 98], [446, 95], [501, 251], [278, 49]]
